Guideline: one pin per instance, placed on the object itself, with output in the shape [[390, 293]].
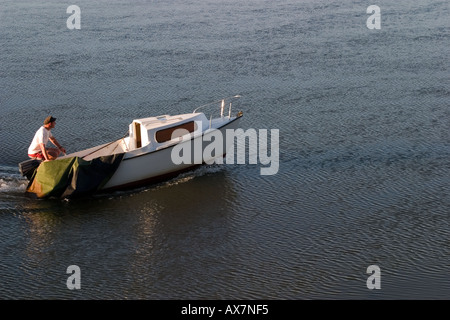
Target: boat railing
[[222, 104]]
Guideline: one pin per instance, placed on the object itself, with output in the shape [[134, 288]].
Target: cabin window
[[166, 134], [137, 132]]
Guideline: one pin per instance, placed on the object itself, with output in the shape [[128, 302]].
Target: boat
[[155, 149]]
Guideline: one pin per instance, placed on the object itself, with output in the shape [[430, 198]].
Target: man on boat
[[38, 147]]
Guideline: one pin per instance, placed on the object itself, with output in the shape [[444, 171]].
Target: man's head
[[49, 122]]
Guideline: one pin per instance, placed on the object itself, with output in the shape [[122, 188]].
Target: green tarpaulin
[[72, 176]]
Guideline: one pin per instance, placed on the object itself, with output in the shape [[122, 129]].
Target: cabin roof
[[165, 120]]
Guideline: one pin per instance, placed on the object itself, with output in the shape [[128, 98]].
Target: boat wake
[[11, 181], [189, 175]]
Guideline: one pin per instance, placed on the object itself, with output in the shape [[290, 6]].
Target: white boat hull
[[157, 165]]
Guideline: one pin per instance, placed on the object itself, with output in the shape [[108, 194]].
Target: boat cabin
[[149, 134], [161, 129]]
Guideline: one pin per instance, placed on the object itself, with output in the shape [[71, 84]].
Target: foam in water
[[11, 180]]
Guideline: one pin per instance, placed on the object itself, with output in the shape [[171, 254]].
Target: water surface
[[364, 149]]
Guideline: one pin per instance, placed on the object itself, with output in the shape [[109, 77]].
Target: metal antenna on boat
[[222, 106], [231, 97]]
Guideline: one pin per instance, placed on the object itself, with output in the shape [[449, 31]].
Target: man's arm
[[56, 143]]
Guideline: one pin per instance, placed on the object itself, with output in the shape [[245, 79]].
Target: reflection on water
[[139, 236]]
